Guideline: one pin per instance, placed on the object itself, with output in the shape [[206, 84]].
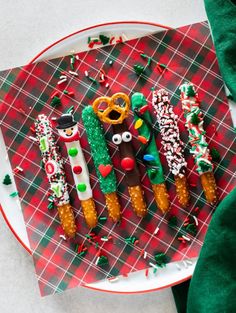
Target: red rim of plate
[[1, 208]]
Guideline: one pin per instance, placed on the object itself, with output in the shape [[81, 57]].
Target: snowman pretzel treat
[[115, 114], [68, 131], [53, 165]]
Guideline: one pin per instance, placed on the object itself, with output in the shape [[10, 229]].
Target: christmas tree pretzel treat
[[53, 165], [102, 161], [69, 134], [197, 140], [150, 155], [172, 143], [115, 113]]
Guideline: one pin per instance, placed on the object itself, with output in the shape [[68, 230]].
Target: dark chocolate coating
[[126, 150]]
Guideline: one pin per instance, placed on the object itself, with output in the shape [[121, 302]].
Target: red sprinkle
[[142, 252], [144, 109], [32, 129], [55, 94], [111, 40], [181, 239], [120, 40], [146, 272]]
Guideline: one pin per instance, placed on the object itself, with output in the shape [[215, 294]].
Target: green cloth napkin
[[213, 285], [222, 18]]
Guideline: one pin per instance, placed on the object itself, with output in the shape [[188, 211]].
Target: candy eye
[[117, 139], [126, 136]]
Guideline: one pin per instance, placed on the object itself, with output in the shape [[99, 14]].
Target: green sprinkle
[[70, 110], [96, 245], [195, 119], [92, 79], [162, 65], [102, 218], [191, 228], [130, 240], [14, 194], [149, 61], [7, 180], [160, 259], [154, 270], [42, 165], [65, 92], [103, 260], [104, 39], [172, 222], [139, 69], [55, 101], [82, 253], [215, 154], [89, 40], [143, 55], [88, 236], [51, 206]]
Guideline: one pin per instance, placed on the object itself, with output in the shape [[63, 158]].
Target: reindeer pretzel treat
[[102, 161], [117, 110], [197, 140], [172, 143], [150, 155], [53, 165]]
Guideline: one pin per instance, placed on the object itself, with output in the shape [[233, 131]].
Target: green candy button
[[81, 187], [73, 152]]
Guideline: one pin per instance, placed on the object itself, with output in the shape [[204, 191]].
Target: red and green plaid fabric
[[189, 54]]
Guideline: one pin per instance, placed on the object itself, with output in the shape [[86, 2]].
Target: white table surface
[[27, 27]]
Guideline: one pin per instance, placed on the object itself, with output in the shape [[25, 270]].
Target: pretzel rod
[[150, 154], [172, 143], [197, 140], [69, 134], [115, 115], [53, 165], [102, 161]]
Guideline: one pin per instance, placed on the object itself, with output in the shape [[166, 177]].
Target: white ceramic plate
[[173, 273]]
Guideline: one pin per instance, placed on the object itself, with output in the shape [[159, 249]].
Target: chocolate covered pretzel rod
[[102, 161], [150, 155], [172, 143], [68, 132], [197, 140], [53, 165], [115, 115]]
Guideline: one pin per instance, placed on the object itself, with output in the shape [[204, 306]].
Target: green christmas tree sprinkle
[[104, 39], [55, 101], [205, 166], [7, 180], [139, 69], [161, 259], [195, 119], [190, 92], [103, 260], [215, 154]]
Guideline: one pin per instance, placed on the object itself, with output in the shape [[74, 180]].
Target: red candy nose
[[127, 164]]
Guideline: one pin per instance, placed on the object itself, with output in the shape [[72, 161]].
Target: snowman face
[[68, 132]]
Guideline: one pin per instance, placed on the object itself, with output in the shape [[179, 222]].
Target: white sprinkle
[[96, 60], [63, 76], [73, 73], [96, 263], [6, 158], [33, 138], [54, 118], [77, 57], [178, 266], [110, 62], [62, 81], [63, 237], [185, 264], [124, 36], [195, 219], [153, 265], [189, 262], [86, 73], [186, 238], [107, 85], [156, 230], [19, 168], [145, 255], [104, 239], [113, 279]]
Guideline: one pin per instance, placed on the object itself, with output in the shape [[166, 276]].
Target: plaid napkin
[[187, 54]]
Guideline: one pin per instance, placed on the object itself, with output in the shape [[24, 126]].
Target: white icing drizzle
[[199, 147], [50, 154], [169, 130]]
